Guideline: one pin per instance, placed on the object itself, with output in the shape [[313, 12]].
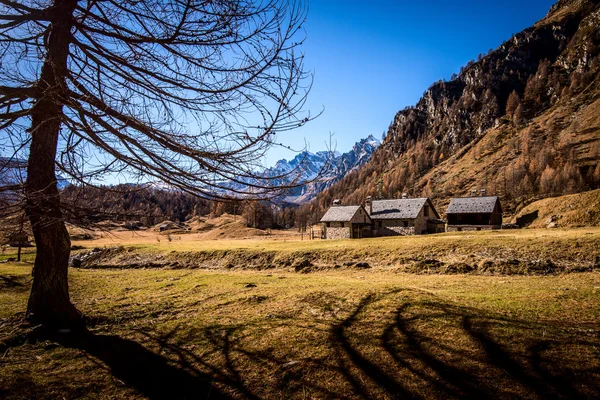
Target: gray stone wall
[[394, 228], [361, 217], [467, 228], [421, 223], [394, 231], [337, 232]]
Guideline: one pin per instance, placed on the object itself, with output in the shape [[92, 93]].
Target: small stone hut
[[345, 222], [474, 214], [403, 216]]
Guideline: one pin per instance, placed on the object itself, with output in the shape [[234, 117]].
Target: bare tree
[[190, 92], [13, 230]]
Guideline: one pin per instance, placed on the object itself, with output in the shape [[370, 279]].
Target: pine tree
[[513, 102], [518, 116], [548, 180]]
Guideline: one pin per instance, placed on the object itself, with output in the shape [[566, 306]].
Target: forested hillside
[[522, 122]]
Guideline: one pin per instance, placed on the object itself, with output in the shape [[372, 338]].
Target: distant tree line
[[148, 206]]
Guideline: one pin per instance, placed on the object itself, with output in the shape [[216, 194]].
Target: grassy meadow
[[152, 240], [334, 333], [527, 251]]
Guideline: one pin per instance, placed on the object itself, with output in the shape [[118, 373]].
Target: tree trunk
[[49, 302]]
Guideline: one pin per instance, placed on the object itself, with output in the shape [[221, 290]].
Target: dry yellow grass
[[223, 228], [528, 251], [581, 209], [335, 334], [195, 241], [179, 332]]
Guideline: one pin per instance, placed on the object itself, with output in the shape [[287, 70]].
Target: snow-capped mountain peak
[[322, 169]]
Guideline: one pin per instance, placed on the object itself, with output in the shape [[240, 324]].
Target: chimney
[[369, 205], [405, 195], [474, 193], [337, 202], [483, 192]]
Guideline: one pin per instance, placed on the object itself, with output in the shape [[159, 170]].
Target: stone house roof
[[399, 208], [473, 205], [340, 213]]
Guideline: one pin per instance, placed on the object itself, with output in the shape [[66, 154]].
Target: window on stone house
[[426, 211], [405, 224]]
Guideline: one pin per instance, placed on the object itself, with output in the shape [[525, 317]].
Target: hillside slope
[[522, 122], [574, 210]]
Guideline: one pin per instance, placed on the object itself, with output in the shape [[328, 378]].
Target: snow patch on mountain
[[322, 168]]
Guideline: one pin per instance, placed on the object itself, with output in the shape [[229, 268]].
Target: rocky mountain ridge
[[522, 121], [321, 169]]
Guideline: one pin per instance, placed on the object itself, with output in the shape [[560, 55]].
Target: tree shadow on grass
[[12, 282], [425, 348], [249, 373], [400, 344], [438, 350], [149, 373]]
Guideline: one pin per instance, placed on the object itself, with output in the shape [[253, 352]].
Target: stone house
[[474, 214], [345, 222], [381, 218], [403, 216]]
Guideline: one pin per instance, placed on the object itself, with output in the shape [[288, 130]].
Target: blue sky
[[371, 59]]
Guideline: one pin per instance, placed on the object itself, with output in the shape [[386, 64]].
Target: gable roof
[[399, 208], [472, 205], [340, 213]]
